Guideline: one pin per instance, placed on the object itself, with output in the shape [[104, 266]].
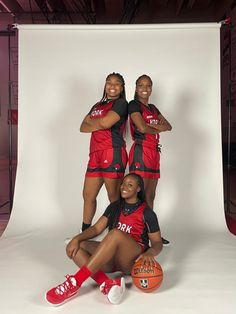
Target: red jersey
[[135, 219], [150, 116], [113, 137]]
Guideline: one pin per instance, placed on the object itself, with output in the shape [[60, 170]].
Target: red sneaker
[[63, 292], [114, 289]]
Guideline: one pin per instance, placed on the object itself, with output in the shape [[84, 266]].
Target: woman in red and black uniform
[[146, 124], [132, 225], [108, 157]]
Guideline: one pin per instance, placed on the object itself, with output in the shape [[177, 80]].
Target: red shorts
[[109, 163], [144, 161], [142, 247]]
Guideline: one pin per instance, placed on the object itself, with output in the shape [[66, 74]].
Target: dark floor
[[230, 207]]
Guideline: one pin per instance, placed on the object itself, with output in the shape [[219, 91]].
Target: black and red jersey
[[150, 116], [113, 137], [135, 219]]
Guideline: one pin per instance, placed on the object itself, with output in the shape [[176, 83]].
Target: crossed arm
[[90, 125], [143, 127]]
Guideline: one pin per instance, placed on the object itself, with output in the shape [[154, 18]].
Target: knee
[[67, 253], [83, 246]]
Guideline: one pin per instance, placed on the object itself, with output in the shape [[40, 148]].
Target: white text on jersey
[[96, 112], [124, 227]]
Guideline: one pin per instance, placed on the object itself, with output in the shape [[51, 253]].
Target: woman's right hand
[[72, 248]]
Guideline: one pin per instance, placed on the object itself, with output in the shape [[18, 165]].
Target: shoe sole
[[166, 244], [58, 304], [115, 292]]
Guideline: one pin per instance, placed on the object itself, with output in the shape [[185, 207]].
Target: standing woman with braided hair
[[147, 123], [108, 157]]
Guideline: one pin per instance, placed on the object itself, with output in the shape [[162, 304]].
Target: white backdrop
[[62, 70]]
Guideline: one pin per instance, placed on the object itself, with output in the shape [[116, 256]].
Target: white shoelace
[[66, 285]]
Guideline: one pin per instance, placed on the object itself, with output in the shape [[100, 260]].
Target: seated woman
[[132, 224]]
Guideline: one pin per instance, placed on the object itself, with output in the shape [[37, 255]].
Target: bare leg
[[117, 246], [150, 186], [113, 188], [87, 248], [91, 189]]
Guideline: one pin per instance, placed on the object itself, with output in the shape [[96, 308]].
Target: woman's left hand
[[147, 259], [162, 120]]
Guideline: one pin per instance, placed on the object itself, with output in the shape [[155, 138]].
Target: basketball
[[146, 278]]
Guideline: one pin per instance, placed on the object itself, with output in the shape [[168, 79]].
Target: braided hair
[[122, 81], [144, 76]]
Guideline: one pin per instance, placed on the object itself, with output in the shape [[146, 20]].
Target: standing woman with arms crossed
[[146, 124], [108, 157]]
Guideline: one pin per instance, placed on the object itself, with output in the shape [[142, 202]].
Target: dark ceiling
[[116, 11]]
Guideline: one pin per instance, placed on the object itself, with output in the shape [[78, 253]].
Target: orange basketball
[[146, 278]]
